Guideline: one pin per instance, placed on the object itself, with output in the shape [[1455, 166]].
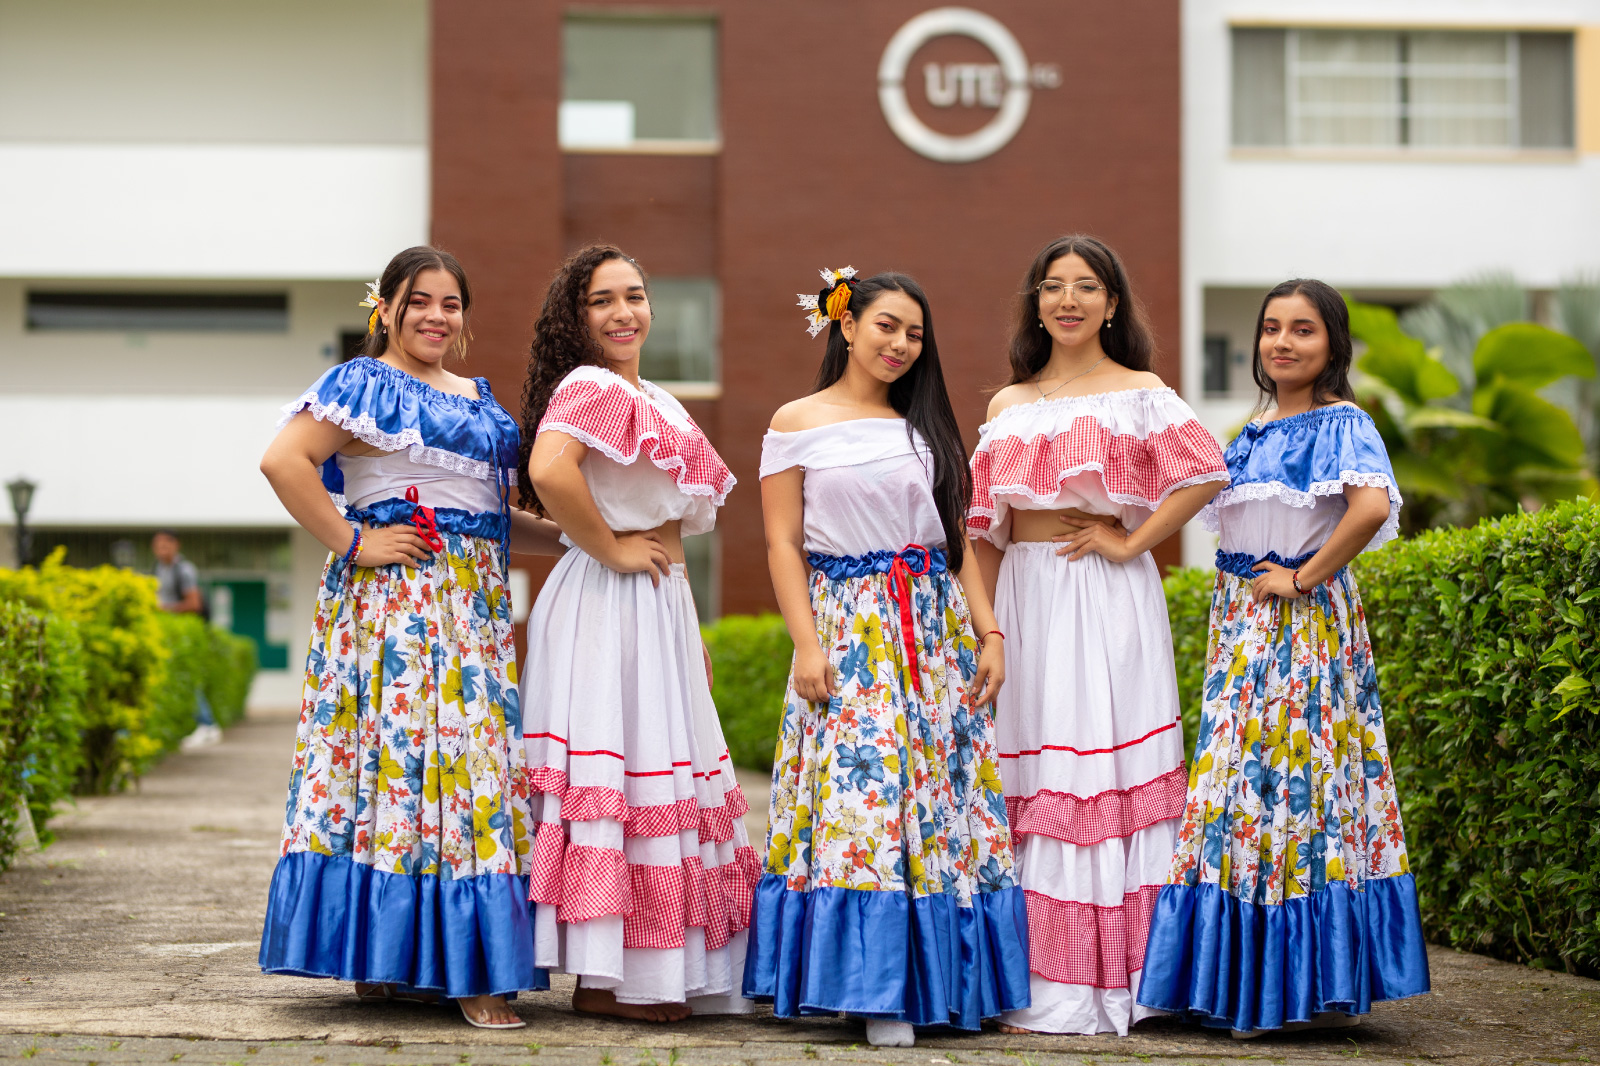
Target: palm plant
[[1576, 311], [1468, 433]]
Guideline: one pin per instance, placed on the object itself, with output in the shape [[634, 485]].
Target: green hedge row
[[97, 682], [750, 656], [1488, 648], [1487, 641], [42, 685]]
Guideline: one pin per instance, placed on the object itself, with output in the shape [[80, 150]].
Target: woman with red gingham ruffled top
[[1086, 463], [641, 871]]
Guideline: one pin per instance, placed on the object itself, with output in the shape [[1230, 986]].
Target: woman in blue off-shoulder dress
[[1290, 902], [404, 864]]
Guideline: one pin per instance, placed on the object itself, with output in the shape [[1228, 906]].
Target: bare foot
[[488, 1010], [1017, 1030], [602, 1001]]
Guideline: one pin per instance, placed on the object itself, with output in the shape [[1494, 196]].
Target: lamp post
[[21, 499]]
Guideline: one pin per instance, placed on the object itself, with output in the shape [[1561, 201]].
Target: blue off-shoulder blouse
[[389, 409], [1297, 459]]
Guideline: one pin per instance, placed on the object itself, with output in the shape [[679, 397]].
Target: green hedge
[[141, 666], [1189, 608], [750, 656], [42, 683], [1487, 642]]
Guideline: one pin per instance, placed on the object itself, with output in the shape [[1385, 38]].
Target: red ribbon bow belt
[[900, 575], [423, 518]]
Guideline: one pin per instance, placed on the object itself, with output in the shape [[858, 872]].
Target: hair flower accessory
[[829, 305], [371, 301]]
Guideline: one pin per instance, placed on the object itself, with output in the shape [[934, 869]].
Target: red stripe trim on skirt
[[589, 803]]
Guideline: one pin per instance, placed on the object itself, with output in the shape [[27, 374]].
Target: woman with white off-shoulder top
[[888, 891]]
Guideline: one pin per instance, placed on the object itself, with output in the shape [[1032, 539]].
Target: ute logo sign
[[1006, 86]]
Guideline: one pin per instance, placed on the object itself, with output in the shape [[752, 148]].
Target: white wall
[[214, 71], [1252, 219], [211, 138], [208, 211]]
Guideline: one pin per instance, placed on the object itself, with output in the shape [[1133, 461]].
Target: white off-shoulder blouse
[[868, 485]]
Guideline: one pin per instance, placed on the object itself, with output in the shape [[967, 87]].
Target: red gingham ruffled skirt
[[641, 871]]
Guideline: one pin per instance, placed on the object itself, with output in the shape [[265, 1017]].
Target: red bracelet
[[992, 633], [1294, 579]]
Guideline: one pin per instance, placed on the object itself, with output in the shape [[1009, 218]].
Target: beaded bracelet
[[1294, 579], [355, 546]]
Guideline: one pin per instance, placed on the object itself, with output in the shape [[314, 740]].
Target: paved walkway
[[133, 939]]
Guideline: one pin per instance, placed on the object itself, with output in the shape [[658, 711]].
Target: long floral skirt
[[1290, 893], [407, 831], [642, 872], [1092, 757], [888, 889]]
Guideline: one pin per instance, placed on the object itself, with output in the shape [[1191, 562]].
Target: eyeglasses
[[1052, 291]]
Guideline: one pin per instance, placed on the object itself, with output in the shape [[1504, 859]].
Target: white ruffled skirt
[[1091, 755], [642, 874]]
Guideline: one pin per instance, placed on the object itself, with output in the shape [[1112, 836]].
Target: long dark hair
[[1128, 339], [920, 397], [561, 342], [1334, 381], [395, 285]]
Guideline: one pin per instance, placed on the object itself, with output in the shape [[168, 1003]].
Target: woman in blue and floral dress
[[407, 835], [888, 890], [1290, 903]]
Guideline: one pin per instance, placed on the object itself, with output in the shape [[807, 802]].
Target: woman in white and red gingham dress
[[1090, 742], [642, 872]]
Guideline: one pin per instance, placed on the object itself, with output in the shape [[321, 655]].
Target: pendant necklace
[[1046, 395]]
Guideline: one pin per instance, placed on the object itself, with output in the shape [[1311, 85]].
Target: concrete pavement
[[133, 939]]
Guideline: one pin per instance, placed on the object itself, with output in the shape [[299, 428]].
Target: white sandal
[[518, 1024]]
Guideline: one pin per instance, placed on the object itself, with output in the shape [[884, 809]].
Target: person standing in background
[[178, 591]]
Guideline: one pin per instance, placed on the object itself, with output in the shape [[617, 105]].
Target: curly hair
[[561, 342]]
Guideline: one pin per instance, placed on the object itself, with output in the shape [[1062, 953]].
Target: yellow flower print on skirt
[[890, 887], [406, 830]]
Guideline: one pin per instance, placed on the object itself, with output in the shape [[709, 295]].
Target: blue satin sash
[[917, 559]]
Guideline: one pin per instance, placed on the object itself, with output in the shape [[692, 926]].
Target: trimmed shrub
[[1487, 641], [203, 659], [142, 666], [750, 656], [1189, 610], [124, 655], [42, 684]]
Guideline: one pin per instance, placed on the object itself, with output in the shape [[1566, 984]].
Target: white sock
[[882, 1033]]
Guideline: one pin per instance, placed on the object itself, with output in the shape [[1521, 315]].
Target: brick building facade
[[804, 171]]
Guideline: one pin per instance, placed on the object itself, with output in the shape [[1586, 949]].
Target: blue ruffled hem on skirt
[[330, 916], [927, 961], [1228, 962]]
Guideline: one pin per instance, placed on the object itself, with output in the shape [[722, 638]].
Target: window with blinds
[[1402, 89]]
